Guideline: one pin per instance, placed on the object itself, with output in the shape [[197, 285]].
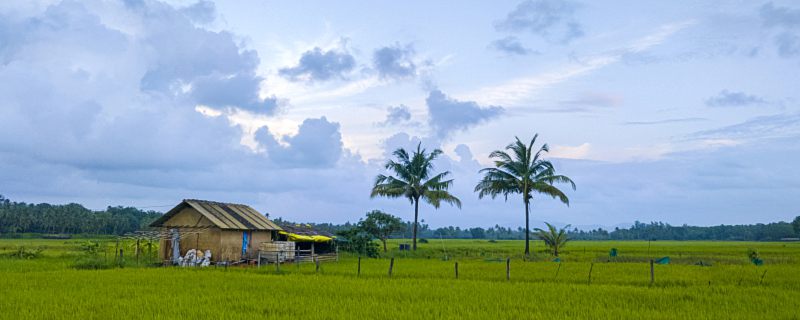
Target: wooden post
[[137, 250], [652, 273], [762, 277], [391, 266], [121, 259], [557, 270], [508, 268], [590, 273], [277, 261], [359, 266], [456, 269], [317, 263]]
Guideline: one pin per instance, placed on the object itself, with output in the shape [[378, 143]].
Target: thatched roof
[[223, 215]]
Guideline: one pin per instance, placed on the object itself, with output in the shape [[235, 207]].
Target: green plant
[[380, 225], [522, 172], [357, 240], [553, 238], [415, 180], [27, 254]]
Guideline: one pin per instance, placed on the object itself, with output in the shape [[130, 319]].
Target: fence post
[[590, 273], [316, 261], [137, 250], [762, 277], [456, 269], [508, 268], [652, 273], [359, 266], [277, 261], [391, 266]]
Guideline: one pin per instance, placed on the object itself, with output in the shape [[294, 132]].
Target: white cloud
[[514, 92], [571, 152]]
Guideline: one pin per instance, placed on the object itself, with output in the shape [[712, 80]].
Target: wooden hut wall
[[196, 231]]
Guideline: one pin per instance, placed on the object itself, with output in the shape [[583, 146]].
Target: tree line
[[21, 217], [774, 231]]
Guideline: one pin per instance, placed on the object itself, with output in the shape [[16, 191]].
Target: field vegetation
[[703, 280]]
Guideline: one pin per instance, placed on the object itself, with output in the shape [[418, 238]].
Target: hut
[[312, 243], [298, 243], [228, 232]]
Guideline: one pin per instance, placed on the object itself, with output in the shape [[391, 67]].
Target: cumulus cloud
[[511, 45], [317, 144], [787, 21], [553, 20], [202, 12], [397, 115], [395, 61], [447, 115], [727, 98], [773, 16], [788, 44], [319, 65]]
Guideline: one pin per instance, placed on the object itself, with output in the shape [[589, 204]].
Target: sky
[[684, 112]]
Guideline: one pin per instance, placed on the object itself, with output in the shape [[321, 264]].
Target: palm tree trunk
[[416, 216], [527, 228]]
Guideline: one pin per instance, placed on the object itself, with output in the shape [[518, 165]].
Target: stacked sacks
[[195, 257]]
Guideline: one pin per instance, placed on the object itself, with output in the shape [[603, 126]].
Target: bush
[[358, 241], [91, 258], [423, 240], [91, 262], [27, 254]]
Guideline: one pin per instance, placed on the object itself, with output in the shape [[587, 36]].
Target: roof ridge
[[217, 202]]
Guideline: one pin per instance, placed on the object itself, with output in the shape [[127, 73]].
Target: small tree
[[356, 240], [380, 225], [796, 225], [554, 239]]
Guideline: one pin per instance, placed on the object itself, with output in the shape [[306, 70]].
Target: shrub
[[27, 254], [423, 240], [358, 241], [91, 262]]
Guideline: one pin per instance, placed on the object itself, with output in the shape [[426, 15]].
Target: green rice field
[[704, 280]]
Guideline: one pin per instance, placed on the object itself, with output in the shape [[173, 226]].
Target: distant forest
[[43, 218], [638, 231], [19, 217]]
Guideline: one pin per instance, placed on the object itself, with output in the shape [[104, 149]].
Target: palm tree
[[553, 238], [414, 182], [522, 172]]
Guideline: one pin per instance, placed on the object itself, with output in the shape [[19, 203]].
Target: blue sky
[[682, 112]]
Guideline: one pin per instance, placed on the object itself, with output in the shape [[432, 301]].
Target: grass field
[[423, 284]]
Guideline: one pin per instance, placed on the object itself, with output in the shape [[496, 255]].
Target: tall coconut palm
[[522, 172], [553, 238], [415, 180]]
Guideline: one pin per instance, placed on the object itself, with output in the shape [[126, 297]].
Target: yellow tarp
[[304, 238]]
